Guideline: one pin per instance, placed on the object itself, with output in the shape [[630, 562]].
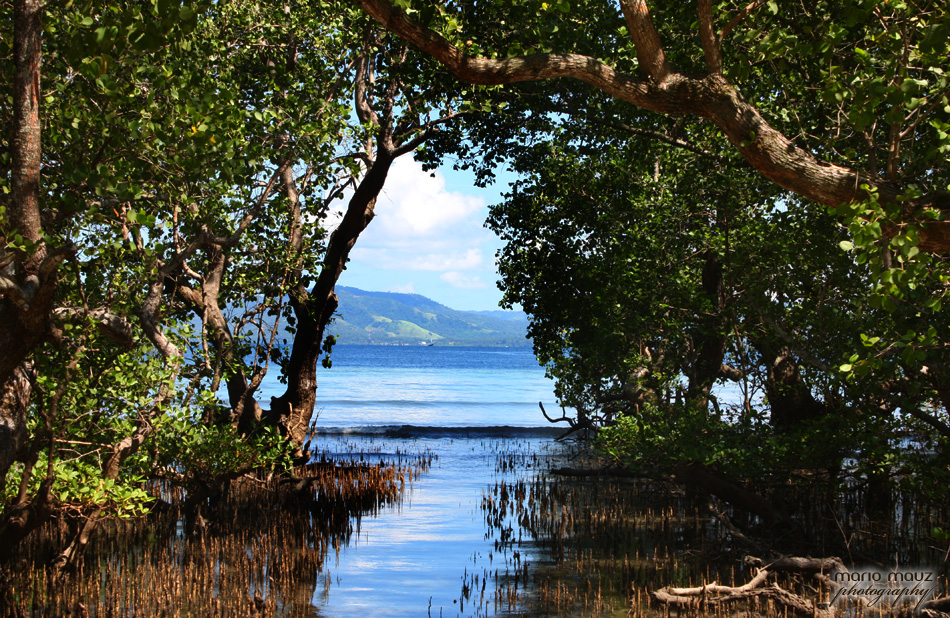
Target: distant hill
[[503, 315], [389, 318]]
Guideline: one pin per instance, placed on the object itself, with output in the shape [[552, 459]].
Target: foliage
[[832, 318], [193, 452], [192, 151]]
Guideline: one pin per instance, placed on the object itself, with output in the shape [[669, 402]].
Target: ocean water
[[470, 408], [451, 547], [373, 387]]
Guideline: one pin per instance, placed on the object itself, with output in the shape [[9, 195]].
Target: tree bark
[[712, 97], [24, 214], [14, 400], [27, 289]]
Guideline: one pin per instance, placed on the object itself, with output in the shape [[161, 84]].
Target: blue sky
[[429, 238]]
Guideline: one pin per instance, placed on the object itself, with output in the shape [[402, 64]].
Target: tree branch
[[662, 137], [364, 110], [770, 152], [707, 36], [936, 424], [745, 12], [113, 326], [646, 39]]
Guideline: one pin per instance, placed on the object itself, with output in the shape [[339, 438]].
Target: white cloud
[[420, 225], [428, 237], [389, 259], [414, 204], [465, 282], [409, 288], [470, 260]]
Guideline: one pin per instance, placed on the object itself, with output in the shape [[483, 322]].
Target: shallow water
[[486, 531], [469, 407], [417, 558], [482, 527], [429, 387]]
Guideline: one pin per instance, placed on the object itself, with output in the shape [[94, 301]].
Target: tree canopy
[[751, 194], [757, 73], [164, 238], [723, 194]]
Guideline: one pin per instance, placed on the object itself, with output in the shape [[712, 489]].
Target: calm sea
[[469, 408], [440, 389]]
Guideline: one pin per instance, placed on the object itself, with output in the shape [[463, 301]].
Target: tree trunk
[[708, 339], [293, 411], [23, 518], [26, 299], [790, 400], [14, 400]]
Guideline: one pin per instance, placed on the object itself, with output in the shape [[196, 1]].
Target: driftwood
[[715, 595], [936, 608]]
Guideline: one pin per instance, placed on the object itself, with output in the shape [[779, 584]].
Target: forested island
[[388, 318], [742, 197]]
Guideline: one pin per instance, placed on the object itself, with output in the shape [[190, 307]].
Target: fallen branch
[[936, 608], [798, 564], [715, 595]]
